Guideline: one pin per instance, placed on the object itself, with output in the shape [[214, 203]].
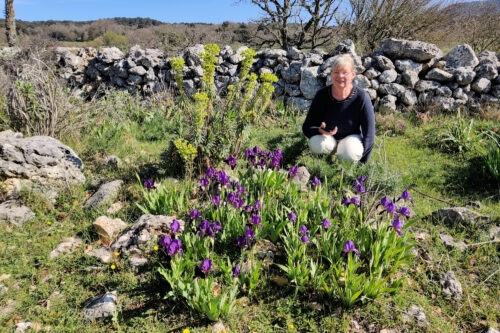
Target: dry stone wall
[[401, 74]]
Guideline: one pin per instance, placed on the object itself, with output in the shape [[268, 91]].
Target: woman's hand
[[321, 130]]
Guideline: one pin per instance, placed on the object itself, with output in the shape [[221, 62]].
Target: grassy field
[[51, 293]]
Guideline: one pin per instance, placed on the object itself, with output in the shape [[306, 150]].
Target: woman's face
[[342, 76]]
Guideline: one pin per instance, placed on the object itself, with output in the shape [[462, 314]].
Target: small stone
[[106, 193], [22, 326], [451, 286], [103, 254], [388, 76], [113, 161], [108, 228], [279, 280], [302, 176], [4, 277], [218, 328], [100, 307], [481, 85], [491, 330], [416, 314], [449, 242], [14, 213], [137, 261], [115, 208], [439, 75], [458, 215], [68, 245], [8, 307]]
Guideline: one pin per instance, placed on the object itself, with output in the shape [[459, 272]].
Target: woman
[[341, 116]]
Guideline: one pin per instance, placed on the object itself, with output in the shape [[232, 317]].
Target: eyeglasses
[[341, 73]]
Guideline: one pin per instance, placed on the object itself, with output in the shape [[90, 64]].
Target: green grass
[[53, 292]]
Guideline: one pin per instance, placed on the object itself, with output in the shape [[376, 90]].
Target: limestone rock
[[383, 63], [439, 75], [14, 213], [449, 242], [409, 97], [115, 208], [39, 158], [299, 103], [106, 193], [486, 70], [464, 76], [361, 81], [388, 102], [481, 85], [101, 307], [409, 78], [192, 55], [424, 85], [388, 76], [294, 53], [137, 70], [68, 245], [461, 56], [416, 314], [113, 161], [414, 50], [291, 74], [109, 55], [391, 89], [103, 254], [302, 176], [451, 286], [407, 65], [371, 73], [137, 261], [309, 82], [108, 228], [21, 327]]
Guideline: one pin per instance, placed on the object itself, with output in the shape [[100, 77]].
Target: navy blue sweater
[[353, 115]]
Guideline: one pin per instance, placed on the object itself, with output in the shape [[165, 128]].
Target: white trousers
[[349, 148]]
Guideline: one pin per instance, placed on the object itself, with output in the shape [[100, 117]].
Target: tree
[[367, 22], [321, 13], [10, 23]]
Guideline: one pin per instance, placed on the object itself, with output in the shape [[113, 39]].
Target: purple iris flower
[[391, 208], [361, 179], [248, 208], [303, 230], [385, 201], [204, 182], [222, 177], [165, 241], [249, 234], [174, 247], [249, 152], [262, 163], [356, 201], [278, 153], [210, 172], [216, 200], [204, 227], [275, 163], [256, 219], [406, 196], [304, 239], [326, 224], [231, 161], [257, 205], [195, 214], [263, 153], [236, 271], [231, 197], [252, 160], [292, 171], [405, 211], [149, 184], [349, 247], [360, 188], [397, 225], [346, 201], [241, 190], [292, 217], [216, 226], [206, 265], [237, 203], [256, 150], [242, 242], [175, 226], [315, 181]]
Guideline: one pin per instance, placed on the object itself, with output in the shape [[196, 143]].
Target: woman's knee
[[350, 148], [322, 144]]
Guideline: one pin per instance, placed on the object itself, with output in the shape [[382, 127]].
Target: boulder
[[409, 78], [294, 53], [299, 103], [275, 53], [291, 74], [445, 103], [464, 75], [451, 286], [362, 82], [383, 63], [14, 213], [108, 228], [106, 194], [415, 314], [490, 57], [481, 85], [347, 47], [425, 85], [388, 102], [439, 75], [309, 81], [458, 216], [414, 50], [486, 70], [68, 245], [152, 58], [443, 91], [461, 56], [192, 55], [39, 158], [302, 176], [101, 307], [409, 97], [104, 254], [372, 93], [137, 70], [109, 55], [407, 65], [371, 73], [391, 89], [388, 76], [292, 90]]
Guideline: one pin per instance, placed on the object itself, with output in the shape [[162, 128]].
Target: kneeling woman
[[341, 116]]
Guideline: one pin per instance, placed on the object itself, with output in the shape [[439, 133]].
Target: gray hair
[[341, 60]]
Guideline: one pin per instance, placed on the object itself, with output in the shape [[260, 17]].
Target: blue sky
[[171, 11]]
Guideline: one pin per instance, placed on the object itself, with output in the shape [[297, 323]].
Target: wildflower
[[361, 179], [262, 163], [303, 230], [222, 177], [116, 254], [248, 208], [406, 196], [206, 265], [292, 171], [291, 326], [49, 223], [175, 226], [249, 234], [257, 205], [204, 182], [216, 226], [231, 197], [292, 217], [113, 266], [397, 225], [249, 153], [315, 181], [384, 201], [360, 188], [349, 247], [186, 330], [238, 202], [195, 214], [256, 219], [304, 239], [216, 200], [278, 153], [155, 247], [165, 241], [405, 211], [174, 247], [263, 153], [275, 163], [236, 270], [234, 183], [241, 190], [471, 261], [210, 172], [242, 241], [326, 224], [231, 161], [149, 184], [391, 208], [256, 150], [346, 201], [203, 227], [495, 129]]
